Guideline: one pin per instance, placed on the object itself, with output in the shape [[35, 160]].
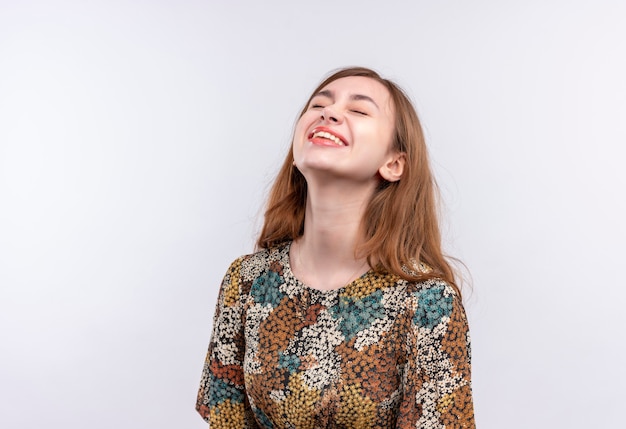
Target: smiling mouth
[[328, 136]]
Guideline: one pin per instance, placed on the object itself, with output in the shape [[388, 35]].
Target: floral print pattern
[[380, 352]]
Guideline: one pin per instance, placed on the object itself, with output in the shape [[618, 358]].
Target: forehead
[[360, 85]]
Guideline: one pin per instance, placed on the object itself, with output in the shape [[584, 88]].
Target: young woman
[[348, 315]]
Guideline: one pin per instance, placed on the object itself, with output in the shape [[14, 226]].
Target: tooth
[[329, 136]]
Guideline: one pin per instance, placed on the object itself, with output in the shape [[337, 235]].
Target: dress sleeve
[[437, 376], [222, 399]]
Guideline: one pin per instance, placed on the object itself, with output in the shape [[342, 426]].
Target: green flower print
[[357, 314], [265, 289], [432, 307]]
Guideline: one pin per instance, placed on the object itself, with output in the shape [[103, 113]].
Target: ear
[[393, 168]]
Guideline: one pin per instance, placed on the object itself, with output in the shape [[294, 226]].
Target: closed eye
[[358, 112]]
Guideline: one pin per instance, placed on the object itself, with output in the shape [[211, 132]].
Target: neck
[[325, 254]]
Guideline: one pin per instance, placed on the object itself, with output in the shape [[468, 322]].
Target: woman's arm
[[222, 400], [437, 390]]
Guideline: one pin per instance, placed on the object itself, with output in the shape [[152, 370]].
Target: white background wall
[[138, 138]]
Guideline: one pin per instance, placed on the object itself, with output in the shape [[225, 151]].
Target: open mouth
[[330, 137]]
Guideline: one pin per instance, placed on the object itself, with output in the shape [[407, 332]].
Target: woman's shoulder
[[251, 265], [433, 285], [429, 293], [430, 282], [435, 301]]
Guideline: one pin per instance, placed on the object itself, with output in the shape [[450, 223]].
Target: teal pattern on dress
[[290, 362], [357, 314], [432, 306], [221, 391], [265, 289]]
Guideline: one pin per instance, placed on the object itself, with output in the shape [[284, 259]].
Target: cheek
[[299, 130], [386, 136], [380, 139], [299, 137], [301, 126]]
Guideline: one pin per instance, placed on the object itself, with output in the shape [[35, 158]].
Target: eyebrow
[[356, 97]]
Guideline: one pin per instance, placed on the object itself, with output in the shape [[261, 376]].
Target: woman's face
[[346, 132]]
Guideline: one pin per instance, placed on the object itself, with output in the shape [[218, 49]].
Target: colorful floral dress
[[380, 352]]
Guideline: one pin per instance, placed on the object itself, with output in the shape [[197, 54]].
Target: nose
[[331, 114]]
